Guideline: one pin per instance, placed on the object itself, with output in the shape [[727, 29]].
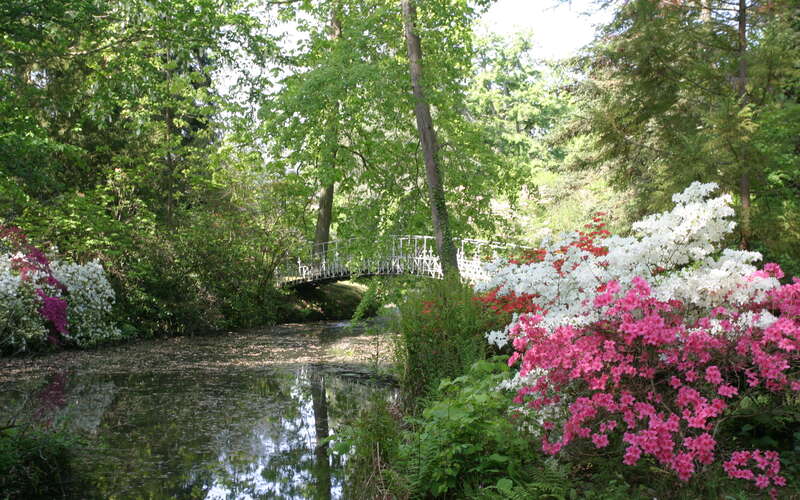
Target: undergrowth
[[37, 464]]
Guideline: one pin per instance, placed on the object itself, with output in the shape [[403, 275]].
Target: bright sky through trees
[[559, 28]]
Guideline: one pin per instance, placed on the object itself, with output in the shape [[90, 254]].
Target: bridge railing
[[406, 254]]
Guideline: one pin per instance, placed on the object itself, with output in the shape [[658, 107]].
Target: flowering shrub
[[90, 298], [49, 301], [441, 327], [647, 341]]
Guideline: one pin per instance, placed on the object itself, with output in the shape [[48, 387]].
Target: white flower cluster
[[676, 252], [90, 300], [21, 326], [89, 297]]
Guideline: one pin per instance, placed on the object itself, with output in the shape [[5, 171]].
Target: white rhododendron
[[677, 251], [90, 300], [20, 322]]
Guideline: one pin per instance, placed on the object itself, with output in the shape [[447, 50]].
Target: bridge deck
[[415, 255]]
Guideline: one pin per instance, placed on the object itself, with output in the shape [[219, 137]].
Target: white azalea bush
[[44, 301], [90, 302], [676, 251], [21, 326]]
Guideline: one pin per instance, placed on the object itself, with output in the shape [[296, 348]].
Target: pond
[[241, 416]]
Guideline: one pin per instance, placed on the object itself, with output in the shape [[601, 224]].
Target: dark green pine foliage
[[700, 90]]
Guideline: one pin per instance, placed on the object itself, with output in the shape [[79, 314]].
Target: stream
[[237, 416]]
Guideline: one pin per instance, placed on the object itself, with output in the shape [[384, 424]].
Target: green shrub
[[37, 464], [370, 302], [205, 268], [466, 439], [441, 328], [372, 443]]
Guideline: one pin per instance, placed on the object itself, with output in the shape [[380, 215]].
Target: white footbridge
[[414, 255]]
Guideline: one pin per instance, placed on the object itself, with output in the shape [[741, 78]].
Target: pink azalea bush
[[650, 344]]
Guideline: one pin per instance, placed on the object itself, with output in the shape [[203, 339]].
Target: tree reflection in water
[[231, 435]]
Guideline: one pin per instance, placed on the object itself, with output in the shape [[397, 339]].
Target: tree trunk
[[324, 219], [741, 89], [427, 135], [322, 468], [322, 234]]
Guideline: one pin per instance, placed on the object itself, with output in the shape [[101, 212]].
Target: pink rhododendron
[[33, 266], [640, 366], [767, 463]]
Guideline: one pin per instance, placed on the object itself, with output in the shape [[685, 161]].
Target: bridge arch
[[408, 254]]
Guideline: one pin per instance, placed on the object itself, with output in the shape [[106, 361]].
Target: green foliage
[[115, 147], [21, 326], [550, 482], [524, 103], [383, 291], [372, 444], [37, 464], [519, 100], [441, 328], [669, 94], [119, 143], [465, 439], [768, 421], [370, 302], [342, 113]]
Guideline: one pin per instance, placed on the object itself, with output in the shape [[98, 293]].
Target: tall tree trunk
[[430, 147], [322, 468], [322, 234], [324, 219], [741, 84]]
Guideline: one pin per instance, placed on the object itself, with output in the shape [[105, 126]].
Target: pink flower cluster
[[54, 309], [767, 462], [646, 378]]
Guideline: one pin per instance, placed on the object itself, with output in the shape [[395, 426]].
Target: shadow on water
[[233, 434]]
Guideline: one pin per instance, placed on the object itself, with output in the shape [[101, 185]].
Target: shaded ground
[[324, 342], [331, 301]]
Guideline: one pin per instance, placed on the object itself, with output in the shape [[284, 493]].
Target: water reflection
[[238, 435]]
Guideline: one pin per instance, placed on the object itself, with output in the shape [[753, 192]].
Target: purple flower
[[54, 309]]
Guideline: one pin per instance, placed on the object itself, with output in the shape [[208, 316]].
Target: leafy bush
[[370, 301], [466, 438], [37, 464], [384, 291], [441, 327], [204, 265], [43, 300]]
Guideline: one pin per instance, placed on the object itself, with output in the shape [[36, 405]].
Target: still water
[[215, 429]]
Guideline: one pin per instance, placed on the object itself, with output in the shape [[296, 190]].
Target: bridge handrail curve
[[339, 259]]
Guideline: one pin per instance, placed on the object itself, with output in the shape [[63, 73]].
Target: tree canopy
[[188, 142]]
